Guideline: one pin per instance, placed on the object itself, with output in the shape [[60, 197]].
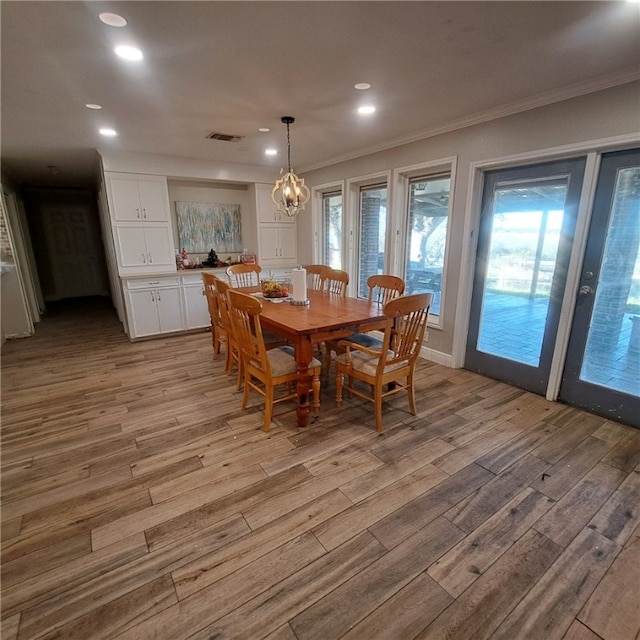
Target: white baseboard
[[436, 356]]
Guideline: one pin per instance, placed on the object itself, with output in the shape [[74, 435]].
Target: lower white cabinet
[[153, 306], [195, 302]]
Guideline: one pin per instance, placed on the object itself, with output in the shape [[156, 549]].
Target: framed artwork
[[203, 226]]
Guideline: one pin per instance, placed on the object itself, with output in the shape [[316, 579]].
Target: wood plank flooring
[[139, 501]]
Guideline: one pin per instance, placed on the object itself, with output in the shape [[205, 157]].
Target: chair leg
[[377, 398], [240, 374], [268, 406], [411, 393], [245, 395], [228, 361], [339, 383], [326, 369], [315, 385]]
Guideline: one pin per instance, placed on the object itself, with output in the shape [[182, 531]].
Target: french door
[[526, 231], [602, 368]]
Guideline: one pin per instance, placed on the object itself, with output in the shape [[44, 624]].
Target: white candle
[[299, 284]]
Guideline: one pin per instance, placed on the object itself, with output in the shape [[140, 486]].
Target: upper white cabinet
[[138, 198], [267, 210], [275, 232], [141, 223]]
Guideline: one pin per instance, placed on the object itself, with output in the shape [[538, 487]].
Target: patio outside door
[[525, 236], [602, 369]]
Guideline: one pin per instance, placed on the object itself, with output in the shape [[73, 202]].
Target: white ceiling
[[233, 67]]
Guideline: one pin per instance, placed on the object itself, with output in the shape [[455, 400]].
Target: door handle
[[585, 290]]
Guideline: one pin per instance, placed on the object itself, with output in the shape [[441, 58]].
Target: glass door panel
[[524, 244], [523, 247], [602, 370]]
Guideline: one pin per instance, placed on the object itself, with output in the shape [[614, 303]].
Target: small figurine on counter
[[212, 259], [185, 258]]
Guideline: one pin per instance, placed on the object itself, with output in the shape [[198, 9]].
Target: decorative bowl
[[273, 289]]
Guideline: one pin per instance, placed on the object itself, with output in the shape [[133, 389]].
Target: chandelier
[[290, 193]]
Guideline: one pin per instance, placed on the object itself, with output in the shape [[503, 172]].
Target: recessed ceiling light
[[91, 105], [270, 152], [108, 132], [366, 110], [129, 53], [264, 129], [113, 19], [362, 86]]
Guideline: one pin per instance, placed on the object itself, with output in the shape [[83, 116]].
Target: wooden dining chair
[[226, 330], [382, 288], [265, 369], [316, 276], [392, 364], [244, 275], [336, 281], [218, 333]]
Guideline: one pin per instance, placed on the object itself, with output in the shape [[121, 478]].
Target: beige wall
[[583, 122]]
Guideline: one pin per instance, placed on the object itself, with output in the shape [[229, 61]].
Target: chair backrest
[[404, 329], [244, 313], [316, 276], [223, 306], [209, 281], [244, 275], [336, 281], [383, 288]]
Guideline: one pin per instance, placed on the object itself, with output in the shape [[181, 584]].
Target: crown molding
[[512, 108]]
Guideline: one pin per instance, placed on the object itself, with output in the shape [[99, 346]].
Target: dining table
[[327, 316]]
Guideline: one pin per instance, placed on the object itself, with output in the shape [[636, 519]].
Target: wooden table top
[[326, 312]]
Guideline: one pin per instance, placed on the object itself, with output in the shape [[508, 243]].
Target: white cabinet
[[195, 303], [267, 210], [144, 247], [138, 198], [153, 307], [277, 245], [140, 222]]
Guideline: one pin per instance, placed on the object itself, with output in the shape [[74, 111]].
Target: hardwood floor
[[139, 501]]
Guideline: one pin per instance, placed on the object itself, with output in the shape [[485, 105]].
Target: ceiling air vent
[[224, 137]]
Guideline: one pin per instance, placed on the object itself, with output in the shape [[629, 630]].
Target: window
[[332, 229], [427, 235], [373, 226]]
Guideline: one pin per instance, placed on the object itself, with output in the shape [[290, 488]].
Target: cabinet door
[[125, 199], [131, 246], [195, 304], [144, 319], [169, 309], [287, 243], [159, 247], [269, 243], [154, 200], [267, 211]]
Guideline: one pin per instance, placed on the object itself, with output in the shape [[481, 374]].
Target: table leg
[[304, 355]]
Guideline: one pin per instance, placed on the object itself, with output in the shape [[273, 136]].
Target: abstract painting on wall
[[203, 226]]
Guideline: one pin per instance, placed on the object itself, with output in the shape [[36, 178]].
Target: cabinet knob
[[138, 213], [150, 259], [144, 259]]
